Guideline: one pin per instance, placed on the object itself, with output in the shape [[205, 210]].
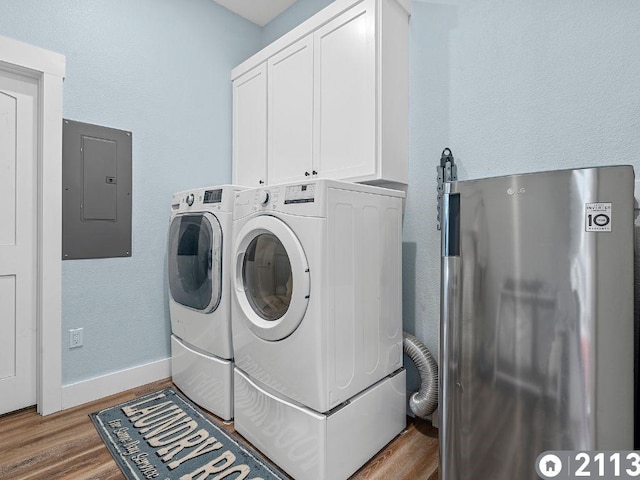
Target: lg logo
[[515, 191]]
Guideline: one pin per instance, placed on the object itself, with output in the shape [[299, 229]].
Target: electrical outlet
[[75, 337]]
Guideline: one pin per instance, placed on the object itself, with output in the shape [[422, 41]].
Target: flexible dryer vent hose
[[424, 401]]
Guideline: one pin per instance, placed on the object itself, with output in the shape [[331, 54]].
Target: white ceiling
[[259, 12]]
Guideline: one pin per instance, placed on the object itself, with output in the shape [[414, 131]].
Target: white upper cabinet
[[250, 128], [345, 95], [335, 90], [290, 103]]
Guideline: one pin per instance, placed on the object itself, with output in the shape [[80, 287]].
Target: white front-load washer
[[199, 253], [317, 327]]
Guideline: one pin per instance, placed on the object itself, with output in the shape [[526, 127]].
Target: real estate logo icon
[[549, 465]]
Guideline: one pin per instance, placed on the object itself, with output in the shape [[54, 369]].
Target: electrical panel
[[96, 191]]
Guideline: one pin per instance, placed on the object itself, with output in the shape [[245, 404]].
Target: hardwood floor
[[66, 445]]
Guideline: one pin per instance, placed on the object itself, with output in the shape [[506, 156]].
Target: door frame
[[48, 68]]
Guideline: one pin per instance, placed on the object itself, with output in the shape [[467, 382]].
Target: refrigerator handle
[[451, 225], [450, 388]]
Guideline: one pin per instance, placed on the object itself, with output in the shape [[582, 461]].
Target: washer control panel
[[303, 193], [296, 199], [287, 194]]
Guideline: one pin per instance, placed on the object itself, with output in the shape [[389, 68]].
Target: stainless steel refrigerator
[[536, 339]]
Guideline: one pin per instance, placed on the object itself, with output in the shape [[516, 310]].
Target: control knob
[[263, 197], [190, 198]]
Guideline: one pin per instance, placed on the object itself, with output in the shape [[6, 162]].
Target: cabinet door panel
[[250, 127], [291, 112], [345, 95]]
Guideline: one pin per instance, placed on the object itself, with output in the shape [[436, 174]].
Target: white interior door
[[18, 216]]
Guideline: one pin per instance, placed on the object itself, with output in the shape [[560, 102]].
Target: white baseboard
[[99, 387]]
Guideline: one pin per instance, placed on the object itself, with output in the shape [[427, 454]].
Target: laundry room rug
[[163, 436]]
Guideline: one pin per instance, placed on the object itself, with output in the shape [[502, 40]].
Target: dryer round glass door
[[272, 277], [266, 276], [195, 261]]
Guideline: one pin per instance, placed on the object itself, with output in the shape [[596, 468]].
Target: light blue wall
[[510, 86], [513, 86], [162, 69], [290, 18]]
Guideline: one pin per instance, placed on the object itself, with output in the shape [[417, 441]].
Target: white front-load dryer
[[199, 253], [317, 327]]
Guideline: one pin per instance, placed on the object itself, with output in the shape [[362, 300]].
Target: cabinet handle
[[306, 174], [314, 172], [260, 182]]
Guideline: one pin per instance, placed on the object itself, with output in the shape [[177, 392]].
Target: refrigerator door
[[536, 346]]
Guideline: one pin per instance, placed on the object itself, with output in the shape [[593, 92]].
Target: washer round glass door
[[195, 261], [272, 277]]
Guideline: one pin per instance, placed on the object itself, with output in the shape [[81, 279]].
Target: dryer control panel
[[208, 199], [212, 196]]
